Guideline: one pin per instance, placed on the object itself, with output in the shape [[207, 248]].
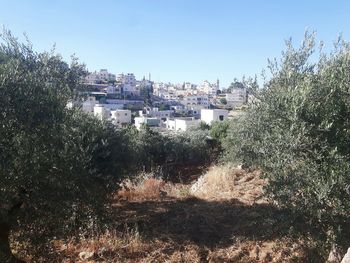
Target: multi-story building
[[188, 86], [169, 96], [237, 97], [99, 77], [114, 90], [208, 88], [105, 75], [145, 87], [92, 78], [159, 89], [128, 83], [195, 100]]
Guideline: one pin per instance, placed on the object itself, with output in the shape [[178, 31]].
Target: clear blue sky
[[174, 40]]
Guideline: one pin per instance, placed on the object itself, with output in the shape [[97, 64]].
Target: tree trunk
[[5, 250], [335, 255], [6, 254]]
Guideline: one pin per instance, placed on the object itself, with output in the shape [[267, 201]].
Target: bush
[[148, 150]]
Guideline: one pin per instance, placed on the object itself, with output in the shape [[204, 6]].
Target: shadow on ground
[[210, 224]]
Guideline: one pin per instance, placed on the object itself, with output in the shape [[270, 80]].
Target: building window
[[221, 117]]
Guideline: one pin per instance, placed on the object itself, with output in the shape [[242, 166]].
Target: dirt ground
[[157, 221]]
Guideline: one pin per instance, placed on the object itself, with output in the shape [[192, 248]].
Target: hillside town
[[175, 131], [165, 107]]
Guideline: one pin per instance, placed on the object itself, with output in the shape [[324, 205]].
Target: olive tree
[[54, 161], [298, 133]]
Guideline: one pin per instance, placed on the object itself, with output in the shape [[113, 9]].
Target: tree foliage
[[223, 101], [298, 133], [52, 159]]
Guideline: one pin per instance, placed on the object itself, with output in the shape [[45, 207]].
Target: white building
[[113, 106], [97, 77], [177, 108], [181, 124], [237, 97], [182, 92], [208, 88], [155, 112], [127, 79], [131, 89], [195, 100], [168, 95], [120, 117], [188, 86], [211, 115], [195, 110], [113, 90], [159, 89], [149, 121], [101, 112], [105, 75], [128, 82], [92, 78], [89, 104]]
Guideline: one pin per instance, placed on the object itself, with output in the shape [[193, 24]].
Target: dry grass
[[108, 247], [124, 247], [228, 182], [218, 183], [144, 187], [220, 218]]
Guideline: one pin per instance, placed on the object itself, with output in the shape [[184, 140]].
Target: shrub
[[148, 150]]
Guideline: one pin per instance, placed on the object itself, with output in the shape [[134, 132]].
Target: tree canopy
[[298, 133]]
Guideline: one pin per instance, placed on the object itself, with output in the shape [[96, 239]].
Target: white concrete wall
[[155, 112], [101, 112], [211, 115], [185, 125], [121, 116], [237, 97], [88, 105], [139, 121], [113, 106], [170, 125], [179, 124], [113, 90], [195, 100], [146, 120]]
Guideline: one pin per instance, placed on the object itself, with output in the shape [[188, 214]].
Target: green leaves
[[298, 132]]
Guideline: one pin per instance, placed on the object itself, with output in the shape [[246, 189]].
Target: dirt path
[[223, 218], [237, 228]]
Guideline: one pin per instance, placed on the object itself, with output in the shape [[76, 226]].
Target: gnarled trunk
[[5, 250], [6, 254], [335, 255]]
